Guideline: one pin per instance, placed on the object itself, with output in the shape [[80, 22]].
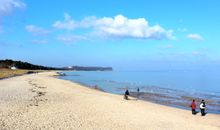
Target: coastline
[[46, 102], [164, 96]]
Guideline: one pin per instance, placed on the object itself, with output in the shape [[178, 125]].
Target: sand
[[41, 101]]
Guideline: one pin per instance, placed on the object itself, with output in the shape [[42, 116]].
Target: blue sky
[[124, 34]]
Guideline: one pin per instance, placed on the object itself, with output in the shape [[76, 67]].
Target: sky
[[123, 34]]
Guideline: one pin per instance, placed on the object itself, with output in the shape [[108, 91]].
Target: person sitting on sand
[[193, 106], [202, 108], [126, 94]]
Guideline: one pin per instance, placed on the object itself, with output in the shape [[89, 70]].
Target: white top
[[201, 106]]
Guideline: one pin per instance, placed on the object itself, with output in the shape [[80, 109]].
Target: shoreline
[[183, 106], [46, 102], [181, 102]]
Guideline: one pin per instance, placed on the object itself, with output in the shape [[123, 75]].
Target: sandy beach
[[41, 101]]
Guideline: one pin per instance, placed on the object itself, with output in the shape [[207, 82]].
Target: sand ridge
[[41, 101]]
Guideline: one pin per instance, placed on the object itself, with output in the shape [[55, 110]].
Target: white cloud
[[36, 30], [121, 26], [70, 38], [7, 6], [67, 24], [39, 41], [118, 26], [195, 37]]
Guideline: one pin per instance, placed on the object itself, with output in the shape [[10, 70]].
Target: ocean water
[[178, 86]]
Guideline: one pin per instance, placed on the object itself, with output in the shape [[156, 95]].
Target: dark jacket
[[127, 92]]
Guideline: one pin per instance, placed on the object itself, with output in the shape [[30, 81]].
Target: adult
[[202, 107], [138, 90], [126, 94], [193, 106]]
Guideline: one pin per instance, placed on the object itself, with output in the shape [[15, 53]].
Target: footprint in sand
[[39, 94]]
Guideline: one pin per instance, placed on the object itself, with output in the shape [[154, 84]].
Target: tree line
[[23, 65]]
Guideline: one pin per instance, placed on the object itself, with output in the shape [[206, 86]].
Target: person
[[138, 90], [193, 106], [126, 94], [202, 108]]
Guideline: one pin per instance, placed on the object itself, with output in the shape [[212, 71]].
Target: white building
[[13, 68]]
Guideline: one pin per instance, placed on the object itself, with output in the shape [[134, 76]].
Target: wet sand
[[181, 101], [41, 101]]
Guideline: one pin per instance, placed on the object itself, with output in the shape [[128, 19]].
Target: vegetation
[[23, 65], [6, 73], [27, 68]]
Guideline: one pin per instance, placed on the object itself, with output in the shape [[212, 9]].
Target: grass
[[6, 73]]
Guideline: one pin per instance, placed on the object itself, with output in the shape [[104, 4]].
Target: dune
[[41, 101]]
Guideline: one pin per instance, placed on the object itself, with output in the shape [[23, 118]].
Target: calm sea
[[198, 84]]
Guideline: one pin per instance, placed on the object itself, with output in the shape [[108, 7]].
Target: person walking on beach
[[126, 94], [193, 106], [202, 108]]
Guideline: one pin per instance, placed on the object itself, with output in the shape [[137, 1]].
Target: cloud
[[67, 23], [70, 38], [195, 37], [121, 26], [36, 30], [118, 26], [7, 6], [39, 41]]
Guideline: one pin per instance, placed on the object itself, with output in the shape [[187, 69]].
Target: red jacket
[[193, 105]]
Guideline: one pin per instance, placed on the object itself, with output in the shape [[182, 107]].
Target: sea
[[174, 88]]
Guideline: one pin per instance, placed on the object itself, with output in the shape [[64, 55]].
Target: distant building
[[13, 68], [69, 67]]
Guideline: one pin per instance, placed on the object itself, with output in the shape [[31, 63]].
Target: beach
[[42, 101]]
